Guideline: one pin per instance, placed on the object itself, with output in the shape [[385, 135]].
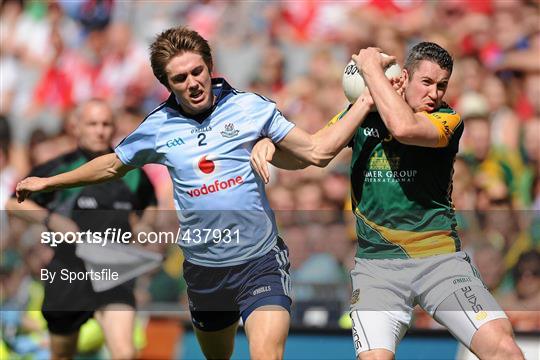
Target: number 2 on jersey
[[202, 138]]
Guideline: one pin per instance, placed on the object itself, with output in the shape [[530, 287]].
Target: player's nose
[[192, 83]]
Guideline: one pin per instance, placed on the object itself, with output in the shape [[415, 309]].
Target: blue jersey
[[224, 214]]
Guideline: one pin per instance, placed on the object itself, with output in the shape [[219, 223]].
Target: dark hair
[[173, 42], [431, 52]]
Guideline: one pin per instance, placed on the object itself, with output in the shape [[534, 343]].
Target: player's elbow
[[115, 172], [411, 135], [397, 128], [402, 132], [114, 168], [321, 159]]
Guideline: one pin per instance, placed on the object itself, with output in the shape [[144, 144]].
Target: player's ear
[[405, 76]]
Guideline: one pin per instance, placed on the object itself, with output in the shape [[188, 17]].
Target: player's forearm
[[284, 160], [329, 141], [395, 112], [100, 169]]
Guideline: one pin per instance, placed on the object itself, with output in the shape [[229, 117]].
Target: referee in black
[[67, 306]]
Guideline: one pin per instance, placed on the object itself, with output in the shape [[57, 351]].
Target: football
[[353, 82]]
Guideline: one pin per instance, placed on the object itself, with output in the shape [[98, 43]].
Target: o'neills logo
[[216, 186]]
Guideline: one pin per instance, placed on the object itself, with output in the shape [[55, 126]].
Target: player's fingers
[[22, 195], [257, 161], [396, 82], [388, 60], [269, 155], [401, 88], [270, 151], [18, 192]]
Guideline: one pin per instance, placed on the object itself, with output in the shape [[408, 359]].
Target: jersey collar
[[220, 88]]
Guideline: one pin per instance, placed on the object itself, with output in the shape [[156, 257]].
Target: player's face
[[189, 79], [426, 87], [95, 127]]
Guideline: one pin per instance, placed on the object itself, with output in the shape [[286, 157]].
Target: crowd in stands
[[56, 54]]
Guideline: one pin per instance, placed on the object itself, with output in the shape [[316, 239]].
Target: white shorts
[[385, 292]]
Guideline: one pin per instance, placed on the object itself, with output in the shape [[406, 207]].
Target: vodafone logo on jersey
[[206, 166], [217, 185]]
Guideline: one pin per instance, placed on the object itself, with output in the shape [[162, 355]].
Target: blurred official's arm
[[100, 169]]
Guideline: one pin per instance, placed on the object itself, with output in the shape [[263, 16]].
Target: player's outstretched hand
[[29, 185], [261, 155]]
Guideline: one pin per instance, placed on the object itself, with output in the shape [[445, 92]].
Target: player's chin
[[201, 105]]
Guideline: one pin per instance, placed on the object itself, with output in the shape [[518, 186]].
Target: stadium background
[[55, 54]]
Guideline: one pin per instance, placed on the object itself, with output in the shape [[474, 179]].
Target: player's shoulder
[[160, 112], [445, 114], [247, 99], [445, 110]]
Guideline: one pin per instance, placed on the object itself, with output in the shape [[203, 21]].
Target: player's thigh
[[218, 344], [376, 334], [64, 346], [267, 328], [117, 322], [466, 310], [381, 306], [265, 302], [64, 331]]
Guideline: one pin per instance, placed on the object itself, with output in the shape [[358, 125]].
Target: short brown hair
[[431, 52], [176, 41]]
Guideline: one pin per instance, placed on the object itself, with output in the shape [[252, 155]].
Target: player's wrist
[[365, 103], [51, 183]]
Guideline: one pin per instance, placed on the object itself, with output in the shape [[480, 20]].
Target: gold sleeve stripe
[[336, 118], [446, 124]]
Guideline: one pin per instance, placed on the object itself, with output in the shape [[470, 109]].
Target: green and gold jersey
[[401, 193]]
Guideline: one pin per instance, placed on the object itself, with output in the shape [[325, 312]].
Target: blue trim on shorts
[[280, 300]]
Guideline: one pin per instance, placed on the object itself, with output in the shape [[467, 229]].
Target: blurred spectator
[[124, 61], [94, 14], [523, 304], [529, 187], [493, 168], [8, 176], [489, 261]]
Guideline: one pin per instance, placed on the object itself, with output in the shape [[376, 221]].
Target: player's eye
[[197, 71], [179, 78]]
